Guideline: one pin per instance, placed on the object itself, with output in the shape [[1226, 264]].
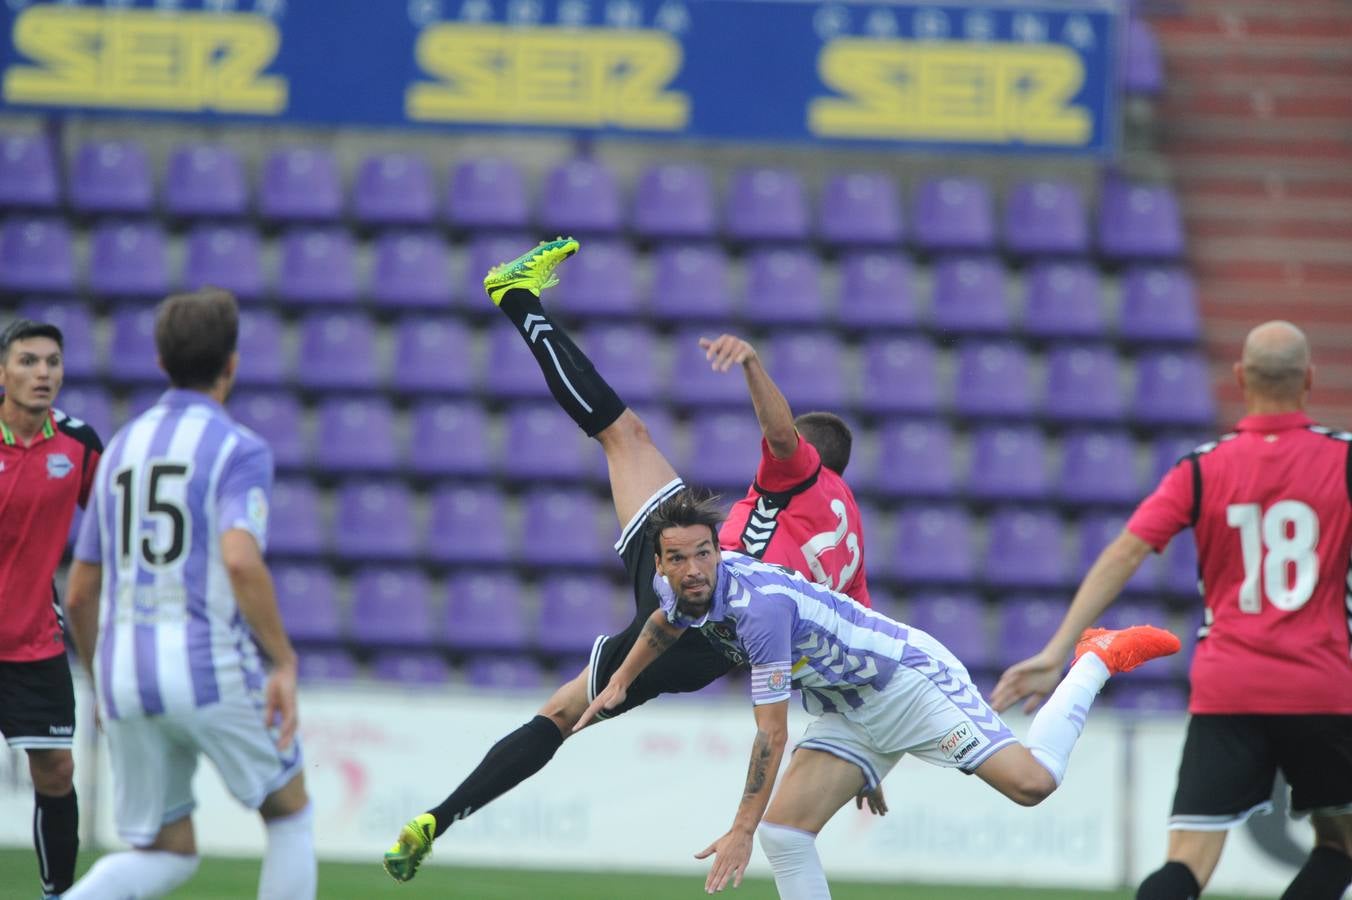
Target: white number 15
[[1274, 542]]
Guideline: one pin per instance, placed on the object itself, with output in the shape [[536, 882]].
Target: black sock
[[571, 377], [56, 836], [1172, 881], [1325, 875], [511, 761]]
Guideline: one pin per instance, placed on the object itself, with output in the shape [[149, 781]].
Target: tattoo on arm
[[658, 639], [759, 769]]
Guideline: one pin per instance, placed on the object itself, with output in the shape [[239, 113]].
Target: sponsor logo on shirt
[[59, 465], [959, 743], [256, 509], [2, 465], [61, 730]]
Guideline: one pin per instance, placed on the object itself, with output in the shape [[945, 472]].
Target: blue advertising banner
[[992, 77]]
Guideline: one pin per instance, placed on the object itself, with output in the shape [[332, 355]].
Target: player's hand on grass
[[280, 709], [613, 695], [1034, 678], [731, 854], [877, 803], [727, 350]]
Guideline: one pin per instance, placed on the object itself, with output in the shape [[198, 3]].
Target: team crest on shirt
[[778, 681], [59, 465]]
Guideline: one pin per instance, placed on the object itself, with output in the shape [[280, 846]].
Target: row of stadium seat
[[582, 196]]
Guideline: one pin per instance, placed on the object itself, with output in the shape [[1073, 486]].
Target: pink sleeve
[[775, 475], [1167, 511]]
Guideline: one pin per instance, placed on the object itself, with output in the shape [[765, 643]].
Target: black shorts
[[1230, 763], [688, 665], [37, 704]]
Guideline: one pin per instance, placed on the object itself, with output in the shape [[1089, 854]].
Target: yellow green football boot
[[415, 842], [531, 271]]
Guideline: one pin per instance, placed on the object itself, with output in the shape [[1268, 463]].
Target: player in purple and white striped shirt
[[879, 690], [167, 594]]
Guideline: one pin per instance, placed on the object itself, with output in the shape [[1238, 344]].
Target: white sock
[[133, 875], [289, 868], [794, 860], [1057, 726]]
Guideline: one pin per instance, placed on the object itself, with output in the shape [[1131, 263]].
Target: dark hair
[[195, 334], [682, 509], [23, 329], [830, 435]]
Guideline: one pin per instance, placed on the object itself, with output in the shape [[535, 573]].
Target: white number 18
[[1274, 542]]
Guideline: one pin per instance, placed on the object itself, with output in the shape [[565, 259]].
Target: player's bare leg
[[1190, 859], [1328, 869], [815, 787]]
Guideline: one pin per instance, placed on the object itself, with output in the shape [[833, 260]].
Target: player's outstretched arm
[[772, 410], [82, 609], [1036, 677], [732, 851], [657, 635]]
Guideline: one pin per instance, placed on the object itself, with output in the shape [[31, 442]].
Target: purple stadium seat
[[561, 529], [128, 259], [954, 214], [908, 367], [915, 459], [263, 358], [307, 598], [205, 180], [674, 200], [1138, 221], [449, 439], [90, 404], [1025, 624], [1098, 467], [131, 350], [1126, 613], [296, 526], [487, 193], [783, 287], [876, 291], [969, 296], [993, 379], [809, 369], [1063, 300], [580, 196], [433, 354], [300, 184], [80, 357], [1181, 576], [1173, 389], [355, 435], [278, 419], [337, 351], [693, 380], [1084, 385], [933, 545], [318, 266], [665, 434], [224, 256], [1008, 463], [412, 268], [485, 252], [1025, 549], [692, 283], [767, 205], [600, 281], [327, 666], [36, 255], [375, 520], [627, 356], [27, 172], [468, 525], [574, 611], [1143, 71], [545, 445], [517, 673], [1046, 216], [1159, 305], [511, 370], [486, 611], [111, 177], [419, 667], [1166, 451], [1101, 529], [391, 606], [724, 450], [861, 208], [1149, 697], [394, 189], [958, 621]]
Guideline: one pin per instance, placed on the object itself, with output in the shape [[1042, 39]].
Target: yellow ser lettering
[[946, 91], [142, 59], [541, 76]]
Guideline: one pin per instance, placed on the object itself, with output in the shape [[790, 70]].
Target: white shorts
[[931, 710], [154, 759]]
